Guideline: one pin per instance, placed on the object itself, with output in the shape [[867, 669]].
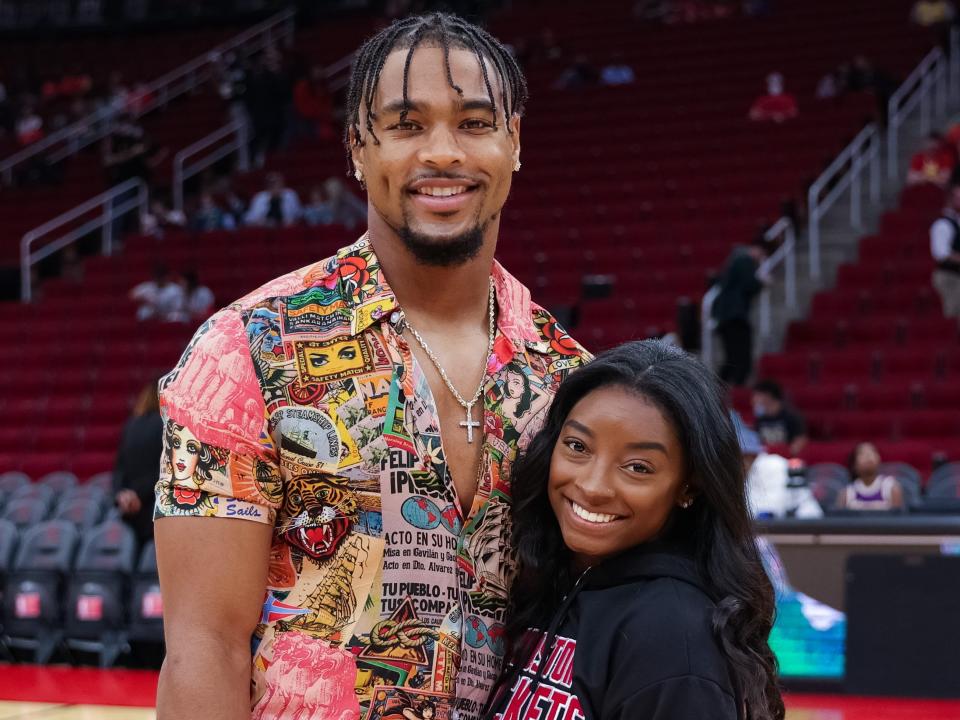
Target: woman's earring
[[686, 503], [358, 175], [516, 165]]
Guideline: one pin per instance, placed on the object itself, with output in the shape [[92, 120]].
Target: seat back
[[25, 512], [40, 494], [102, 480], [59, 481], [945, 481], [9, 538], [146, 602], [12, 480], [32, 600], [48, 547], [110, 547], [84, 512]]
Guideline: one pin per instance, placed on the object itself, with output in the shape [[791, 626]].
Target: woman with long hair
[[640, 592]]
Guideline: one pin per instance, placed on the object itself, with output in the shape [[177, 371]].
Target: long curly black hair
[[717, 529]]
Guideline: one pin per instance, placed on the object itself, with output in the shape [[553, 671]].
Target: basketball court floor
[[60, 693]]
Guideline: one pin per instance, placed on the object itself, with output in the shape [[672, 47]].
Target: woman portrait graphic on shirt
[[640, 592]]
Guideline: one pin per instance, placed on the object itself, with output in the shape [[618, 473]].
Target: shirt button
[[395, 317]]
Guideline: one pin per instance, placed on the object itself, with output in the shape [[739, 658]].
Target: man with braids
[[362, 559]]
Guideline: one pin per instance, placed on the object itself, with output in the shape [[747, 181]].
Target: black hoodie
[[633, 640]]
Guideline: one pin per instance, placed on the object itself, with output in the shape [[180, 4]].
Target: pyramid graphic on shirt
[[402, 638]]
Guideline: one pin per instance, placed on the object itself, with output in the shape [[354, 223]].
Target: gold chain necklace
[[469, 423]]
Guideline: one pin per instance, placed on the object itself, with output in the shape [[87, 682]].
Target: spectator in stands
[[774, 420], [776, 105], [268, 99], [135, 471], [771, 490], [314, 105], [869, 490], [316, 211], [617, 72], [580, 74], [276, 205], [160, 218], [740, 283], [945, 249], [934, 163], [231, 80], [345, 208], [210, 216], [127, 152], [933, 13], [199, 298], [29, 126], [864, 76], [117, 93], [159, 298]]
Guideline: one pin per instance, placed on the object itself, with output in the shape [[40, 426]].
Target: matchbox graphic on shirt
[[546, 693]]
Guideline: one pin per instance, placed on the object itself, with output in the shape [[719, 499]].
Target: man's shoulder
[[554, 339]]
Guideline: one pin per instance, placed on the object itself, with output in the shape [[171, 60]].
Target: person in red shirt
[[313, 103], [776, 105], [934, 163]]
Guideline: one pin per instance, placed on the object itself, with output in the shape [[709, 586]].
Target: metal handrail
[[183, 172], [929, 82], [337, 75], [161, 91], [845, 172], [785, 255], [109, 213]]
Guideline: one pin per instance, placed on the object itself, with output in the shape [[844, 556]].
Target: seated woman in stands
[[869, 489], [640, 592]]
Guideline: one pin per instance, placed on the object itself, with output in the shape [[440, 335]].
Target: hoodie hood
[[644, 562]]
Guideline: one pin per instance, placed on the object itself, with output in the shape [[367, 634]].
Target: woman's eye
[[406, 125], [575, 445], [639, 468]]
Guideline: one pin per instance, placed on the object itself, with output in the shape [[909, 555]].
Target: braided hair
[[441, 30]]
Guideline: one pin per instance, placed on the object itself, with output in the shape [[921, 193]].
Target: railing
[[234, 133], [337, 76], [786, 256], [928, 87], [845, 172], [157, 94], [114, 204]]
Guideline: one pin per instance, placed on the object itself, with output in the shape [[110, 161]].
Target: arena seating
[[875, 359], [651, 183], [185, 120]]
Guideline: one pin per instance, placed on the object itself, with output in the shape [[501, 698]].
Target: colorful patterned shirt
[[302, 406]]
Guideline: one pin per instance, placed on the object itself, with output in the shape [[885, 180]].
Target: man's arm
[[213, 575]]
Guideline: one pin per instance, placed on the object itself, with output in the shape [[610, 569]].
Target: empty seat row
[[64, 591]]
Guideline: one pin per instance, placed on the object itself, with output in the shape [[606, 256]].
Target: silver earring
[[358, 175], [516, 166], [686, 503]]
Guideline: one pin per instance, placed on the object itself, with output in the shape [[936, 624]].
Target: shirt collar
[[361, 283]]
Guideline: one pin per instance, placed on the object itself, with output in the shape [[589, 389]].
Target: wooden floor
[[61, 693]]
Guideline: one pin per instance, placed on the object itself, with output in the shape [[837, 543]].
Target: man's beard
[[444, 253], [448, 252]]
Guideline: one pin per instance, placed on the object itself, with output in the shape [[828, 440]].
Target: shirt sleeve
[[941, 240], [218, 459], [680, 698]]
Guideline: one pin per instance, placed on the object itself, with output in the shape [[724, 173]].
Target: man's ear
[[514, 125], [356, 149]]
